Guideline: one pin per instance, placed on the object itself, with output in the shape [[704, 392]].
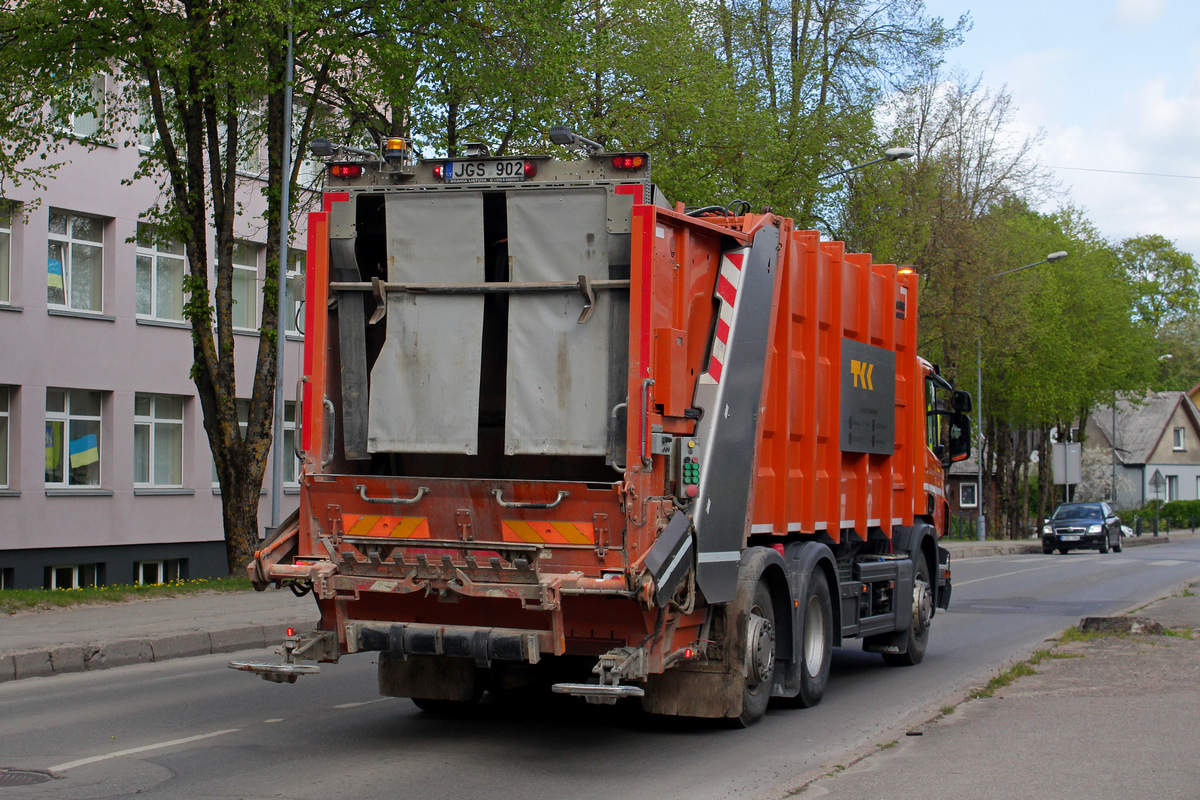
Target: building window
[[4, 417], [295, 292], [160, 270], [968, 495], [157, 440], [245, 285], [85, 118], [72, 437], [167, 570], [291, 464], [1178, 439], [74, 576], [1172, 488], [75, 261], [8, 578], [6, 217]]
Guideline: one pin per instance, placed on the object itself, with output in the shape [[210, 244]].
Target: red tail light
[[346, 170], [628, 162], [530, 169]]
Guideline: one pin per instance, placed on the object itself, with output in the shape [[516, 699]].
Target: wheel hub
[[922, 605], [760, 648]]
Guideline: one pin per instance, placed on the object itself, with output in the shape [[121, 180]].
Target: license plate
[[1069, 538], [492, 170]]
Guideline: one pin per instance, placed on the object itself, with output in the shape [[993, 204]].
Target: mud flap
[[428, 677]]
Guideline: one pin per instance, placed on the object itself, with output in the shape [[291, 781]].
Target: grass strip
[[14, 600]]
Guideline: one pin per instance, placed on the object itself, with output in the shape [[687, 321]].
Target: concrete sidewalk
[[1109, 717], [41, 643]]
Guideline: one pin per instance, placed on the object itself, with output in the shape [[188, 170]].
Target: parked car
[[1082, 525]]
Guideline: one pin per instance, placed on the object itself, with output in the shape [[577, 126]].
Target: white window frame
[[962, 491], [54, 576], [247, 272], [7, 212], [297, 263], [1172, 488], [156, 425], [291, 430], [67, 244], [66, 418], [1179, 439], [155, 254], [167, 569], [87, 125], [5, 429]]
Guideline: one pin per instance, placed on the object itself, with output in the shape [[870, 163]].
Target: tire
[[1104, 543], [922, 612], [1062, 551], [816, 640], [759, 657], [1120, 545], [1047, 551]]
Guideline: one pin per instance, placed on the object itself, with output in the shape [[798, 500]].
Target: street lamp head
[[1060, 255], [898, 153]]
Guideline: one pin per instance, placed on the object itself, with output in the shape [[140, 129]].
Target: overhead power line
[[1127, 172]]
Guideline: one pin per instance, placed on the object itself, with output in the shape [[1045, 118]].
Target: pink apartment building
[[105, 472]]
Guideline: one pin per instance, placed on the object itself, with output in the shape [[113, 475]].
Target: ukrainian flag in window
[[54, 273], [85, 450]]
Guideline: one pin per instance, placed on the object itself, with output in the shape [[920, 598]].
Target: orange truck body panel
[[557, 555]]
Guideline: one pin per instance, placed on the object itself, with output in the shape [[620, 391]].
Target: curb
[[981, 549], [65, 659]]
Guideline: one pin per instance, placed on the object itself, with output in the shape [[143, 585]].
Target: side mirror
[[958, 446]]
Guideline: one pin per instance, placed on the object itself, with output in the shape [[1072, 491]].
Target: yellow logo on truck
[[861, 370], [390, 527], [548, 532]]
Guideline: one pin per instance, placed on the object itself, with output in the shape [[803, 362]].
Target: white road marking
[[957, 584], [272, 721], [1167, 563], [363, 703], [143, 749]]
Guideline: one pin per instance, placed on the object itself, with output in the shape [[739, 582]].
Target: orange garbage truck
[[558, 433]]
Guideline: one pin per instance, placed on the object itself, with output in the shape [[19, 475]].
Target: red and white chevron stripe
[[728, 282]]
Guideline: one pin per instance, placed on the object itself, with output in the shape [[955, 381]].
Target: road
[[194, 729]]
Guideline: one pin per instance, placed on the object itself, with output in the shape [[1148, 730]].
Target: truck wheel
[[759, 657], [816, 640], [922, 615]]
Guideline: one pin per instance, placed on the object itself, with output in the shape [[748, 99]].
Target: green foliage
[[1163, 278]]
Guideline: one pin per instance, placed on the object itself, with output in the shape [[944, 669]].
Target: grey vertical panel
[[729, 427], [558, 370], [425, 383]]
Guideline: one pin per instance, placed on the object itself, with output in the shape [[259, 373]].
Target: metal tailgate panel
[[425, 383], [558, 369]]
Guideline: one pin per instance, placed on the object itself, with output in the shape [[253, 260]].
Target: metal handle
[[327, 437], [391, 501], [646, 384], [497, 492], [299, 416]]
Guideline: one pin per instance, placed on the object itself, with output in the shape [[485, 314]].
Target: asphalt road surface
[[194, 729]]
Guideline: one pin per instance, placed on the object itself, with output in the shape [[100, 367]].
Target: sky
[[1114, 85]]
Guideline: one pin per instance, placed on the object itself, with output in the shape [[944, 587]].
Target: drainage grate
[[21, 777]]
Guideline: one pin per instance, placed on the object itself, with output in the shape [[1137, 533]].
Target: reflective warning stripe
[[393, 527], [728, 282], [547, 532]]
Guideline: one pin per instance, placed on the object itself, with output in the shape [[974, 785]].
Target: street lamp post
[[891, 154], [981, 519]]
